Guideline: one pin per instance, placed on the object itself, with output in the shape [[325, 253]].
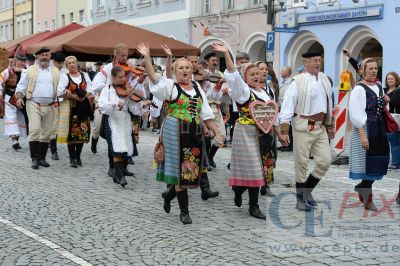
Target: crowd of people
[[197, 109]]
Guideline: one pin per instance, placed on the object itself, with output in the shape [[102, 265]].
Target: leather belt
[[44, 104]]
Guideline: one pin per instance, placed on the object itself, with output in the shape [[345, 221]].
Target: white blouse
[[357, 105], [108, 103], [64, 81], [165, 89], [239, 91]]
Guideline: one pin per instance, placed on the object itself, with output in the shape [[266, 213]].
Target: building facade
[[6, 20], [23, 20], [366, 28], [167, 17], [45, 15], [69, 11], [239, 24]]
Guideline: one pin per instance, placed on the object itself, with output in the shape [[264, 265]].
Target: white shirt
[[318, 99], [165, 89], [357, 105], [283, 88], [43, 89], [64, 81]]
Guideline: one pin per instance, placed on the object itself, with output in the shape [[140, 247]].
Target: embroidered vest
[[186, 107], [32, 74], [12, 81], [72, 86]]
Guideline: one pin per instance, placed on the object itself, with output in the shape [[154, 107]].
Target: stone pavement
[[65, 216]]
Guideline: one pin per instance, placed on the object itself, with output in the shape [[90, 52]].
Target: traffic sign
[[270, 46]]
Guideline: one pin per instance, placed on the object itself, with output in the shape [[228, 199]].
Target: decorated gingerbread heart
[[264, 114]]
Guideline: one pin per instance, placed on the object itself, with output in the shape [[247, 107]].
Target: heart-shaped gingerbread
[[264, 114]]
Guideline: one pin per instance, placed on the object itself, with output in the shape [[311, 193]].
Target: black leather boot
[[168, 196], [183, 200], [53, 149], [254, 209], [72, 156], [126, 171], [79, 147], [43, 151], [118, 172], [211, 154], [300, 196], [266, 190], [34, 148], [206, 192], [238, 195], [93, 145], [310, 184], [364, 190], [111, 167]]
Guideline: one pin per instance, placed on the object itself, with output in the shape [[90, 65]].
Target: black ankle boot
[[93, 146], [300, 197], [254, 209], [126, 171], [213, 151], [34, 148], [53, 149], [183, 201], [118, 172], [364, 190], [206, 192], [238, 195], [72, 163], [168, 196], [72, 155], [79, 147]]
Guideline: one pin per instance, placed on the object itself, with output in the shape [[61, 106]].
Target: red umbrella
[[38, 37]]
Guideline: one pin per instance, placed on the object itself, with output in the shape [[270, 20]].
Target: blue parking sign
[[270, 45]]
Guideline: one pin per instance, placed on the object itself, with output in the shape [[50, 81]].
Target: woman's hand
[[284, 139], [166, 50], [219, 47], [121, 104], [220, 139], [67, 93], [143, 49], [365, 142], [386, 98]]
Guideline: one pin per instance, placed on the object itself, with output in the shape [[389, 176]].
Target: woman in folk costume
[[75, 110], [182, 130], [116, 101], [369, 146], [15, 120], [252, 158]]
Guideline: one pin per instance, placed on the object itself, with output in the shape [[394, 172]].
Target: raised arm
[[144, 50], [168, 66], [219, 47]]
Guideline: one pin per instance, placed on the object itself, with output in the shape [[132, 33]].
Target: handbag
[[159, 150], [391, 125]]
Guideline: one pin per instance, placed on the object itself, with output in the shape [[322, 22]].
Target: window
[[81, 13], [6, 33], [62, 20], [38, 27], [71, 17], [53, 24], [120, 3], [18, 29], [24, 27], [101, 6], [46, 25], [207, 6], [256, 2], [229, 4], [30, 26], [143, 1]]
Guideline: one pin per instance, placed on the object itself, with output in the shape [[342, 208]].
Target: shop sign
[[375, 12], [221, 30]]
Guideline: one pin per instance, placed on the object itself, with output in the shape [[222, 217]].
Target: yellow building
[[72, 10], [23, 18], [6, 20]]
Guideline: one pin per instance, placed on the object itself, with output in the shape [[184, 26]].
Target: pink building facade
[[45, 15]]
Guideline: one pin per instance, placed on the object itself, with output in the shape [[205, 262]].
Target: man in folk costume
[[103, 79], [214, 97], [307, 105], [39, 85], [58, 62], [15, 124]]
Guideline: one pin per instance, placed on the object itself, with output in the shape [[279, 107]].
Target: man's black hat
[[59, 57], [212, 54], [311, 53], [31, 57], [21, 57], [42, 50]]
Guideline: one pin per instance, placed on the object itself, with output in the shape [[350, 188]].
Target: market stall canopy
[[24, 42], [97, 42]]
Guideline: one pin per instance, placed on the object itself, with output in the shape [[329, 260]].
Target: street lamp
[[272, 9]]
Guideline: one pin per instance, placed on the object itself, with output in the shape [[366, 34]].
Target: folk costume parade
[[182, 130], [76, 110], [252, 156], [15, 120], [39, 85]]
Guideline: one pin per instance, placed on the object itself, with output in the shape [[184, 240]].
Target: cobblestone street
[[65, 216]]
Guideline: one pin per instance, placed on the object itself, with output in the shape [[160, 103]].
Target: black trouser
[[75, 150]]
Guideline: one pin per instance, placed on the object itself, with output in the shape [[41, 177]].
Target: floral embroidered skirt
[[183, 153]]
